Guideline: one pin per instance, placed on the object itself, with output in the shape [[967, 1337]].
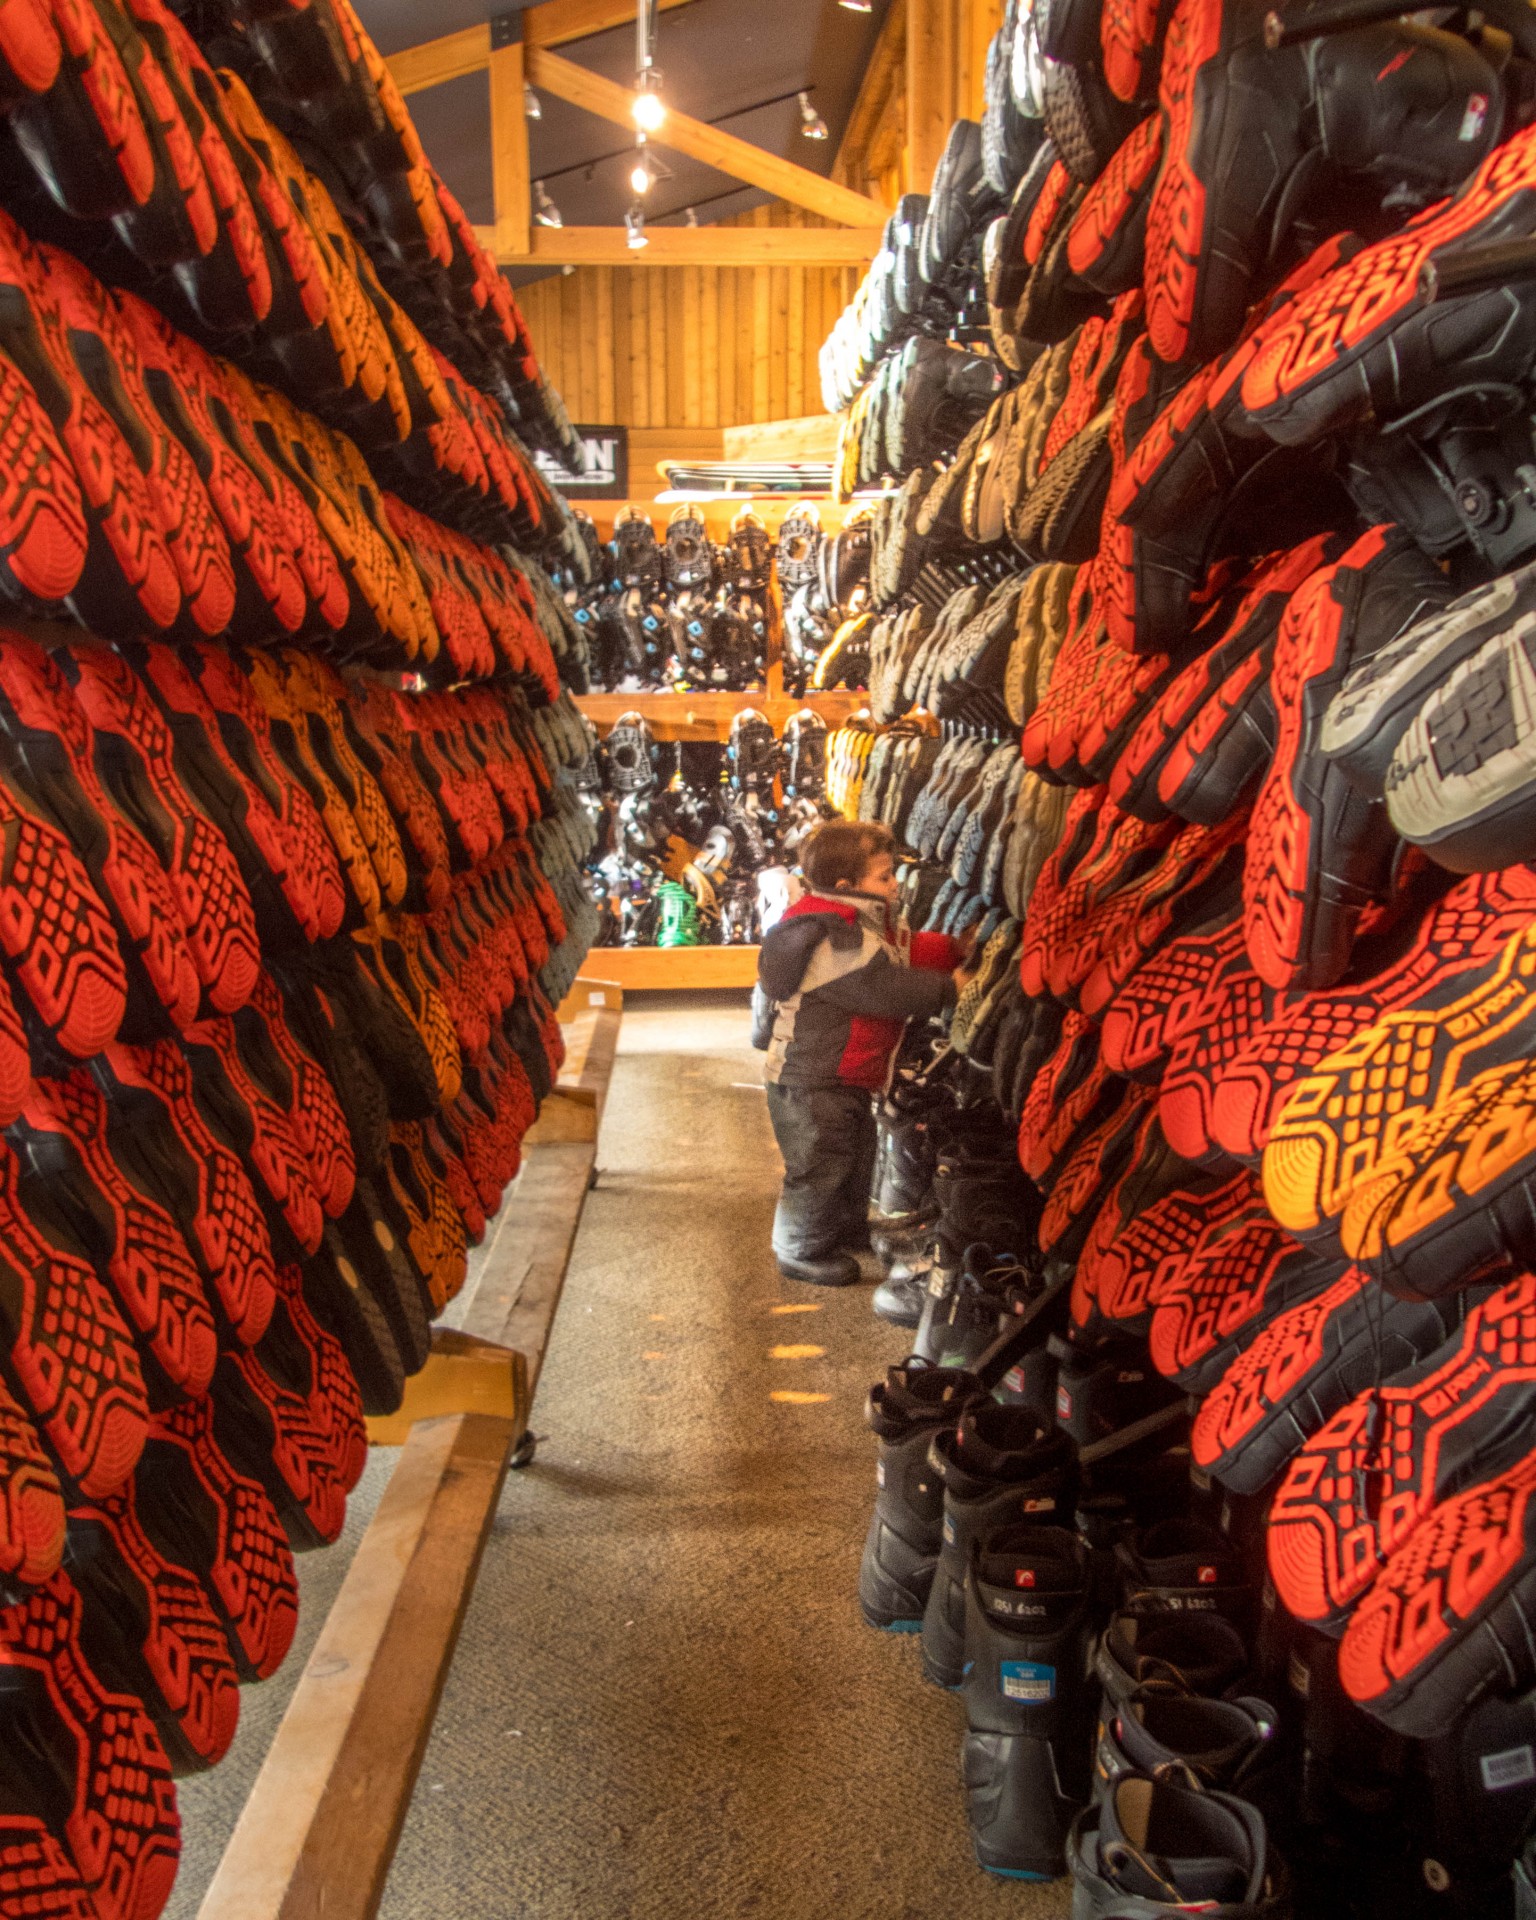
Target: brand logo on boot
[[1023, 1576], [1206, 1576]]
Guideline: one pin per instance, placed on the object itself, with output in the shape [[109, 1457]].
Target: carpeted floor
[[664, 1701]]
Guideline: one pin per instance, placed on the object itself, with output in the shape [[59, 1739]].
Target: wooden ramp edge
[[318, 1833]]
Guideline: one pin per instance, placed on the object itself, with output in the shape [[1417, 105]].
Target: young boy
[[836, 984]]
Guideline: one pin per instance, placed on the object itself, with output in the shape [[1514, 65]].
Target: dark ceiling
[[735, 63]]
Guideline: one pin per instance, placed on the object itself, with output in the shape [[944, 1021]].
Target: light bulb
[[812, 126], [634, 227], [648, 108], [533, 107], [640, 177]]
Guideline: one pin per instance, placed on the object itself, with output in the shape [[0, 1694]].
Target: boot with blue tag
[[1028, 1698]]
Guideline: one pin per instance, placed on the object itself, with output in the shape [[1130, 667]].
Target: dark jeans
[[827, 1138]]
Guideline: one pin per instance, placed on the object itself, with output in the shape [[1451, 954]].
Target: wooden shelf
[[708, 716], [675, 969]]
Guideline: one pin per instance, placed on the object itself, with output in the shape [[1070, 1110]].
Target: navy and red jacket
[[836, 984]]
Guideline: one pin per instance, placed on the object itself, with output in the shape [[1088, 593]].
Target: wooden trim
[[812, 436], [509, 151], [677, 969], [708, 716], [320, 1828], [690, 247], [679, 133], [551, 25]]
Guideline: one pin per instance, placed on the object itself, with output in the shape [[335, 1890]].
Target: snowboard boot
[[1100, 1391], [1525, 1881], [1026, 1698], [904, 1155], [1199, 1653], [959, 1322], [999, 1465], [1184, 1566], [1162, 1730], [906, 1410], [1150, 1847], [1480, 1785]]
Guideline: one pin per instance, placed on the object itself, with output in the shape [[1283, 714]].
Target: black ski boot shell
[[999, 1466], [1150, 1848], [906, 1410], [1027, 1698]]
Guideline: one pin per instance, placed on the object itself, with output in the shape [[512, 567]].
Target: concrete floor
[[664, 1701]]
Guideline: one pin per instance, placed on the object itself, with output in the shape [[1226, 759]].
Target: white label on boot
[[1512, 1768], [1027, 1681]]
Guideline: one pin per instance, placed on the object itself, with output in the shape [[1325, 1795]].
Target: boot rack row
[[318, 1833]]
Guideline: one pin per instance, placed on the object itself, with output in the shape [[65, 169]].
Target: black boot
[[1185, 1566], [999, 1465], [1525, 1882], [963, 1306], [1150, 1848], [906, 1410], [1026, 1698], [1198, 1652], [1158, 1728]]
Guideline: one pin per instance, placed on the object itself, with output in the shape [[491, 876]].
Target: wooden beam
[[469, 51], [884, 78], [509, 150], [435, 61], [680, 134], [932, 79], [690, 247], [321, 1825], [558, 21]]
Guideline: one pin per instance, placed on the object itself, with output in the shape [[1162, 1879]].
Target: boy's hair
[[843, 851]]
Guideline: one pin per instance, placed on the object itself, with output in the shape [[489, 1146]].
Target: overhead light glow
[[857, 6], [812, 126], [533, 106], [640, 175], [648, 109]]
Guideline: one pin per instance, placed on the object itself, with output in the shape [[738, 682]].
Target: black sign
[[605, 466]]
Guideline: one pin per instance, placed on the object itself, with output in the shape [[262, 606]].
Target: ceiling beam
[[580, 87], [551, 25], [510, 192], [932, 83], [691, 247], [882, 92]]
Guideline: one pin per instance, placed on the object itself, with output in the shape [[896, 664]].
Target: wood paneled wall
[[689, 346]]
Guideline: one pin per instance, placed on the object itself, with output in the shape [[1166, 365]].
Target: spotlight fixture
[[533, 106], [641, 177], [647, 107], [635, 234], [545, 212], [812, 126], [692, 219]]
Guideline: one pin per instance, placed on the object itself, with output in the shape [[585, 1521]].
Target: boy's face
[[879, 877]]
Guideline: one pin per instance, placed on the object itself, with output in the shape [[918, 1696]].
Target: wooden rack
[[320, 1828]]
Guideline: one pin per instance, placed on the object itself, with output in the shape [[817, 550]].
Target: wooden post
[[933, 36], [509, 140]]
